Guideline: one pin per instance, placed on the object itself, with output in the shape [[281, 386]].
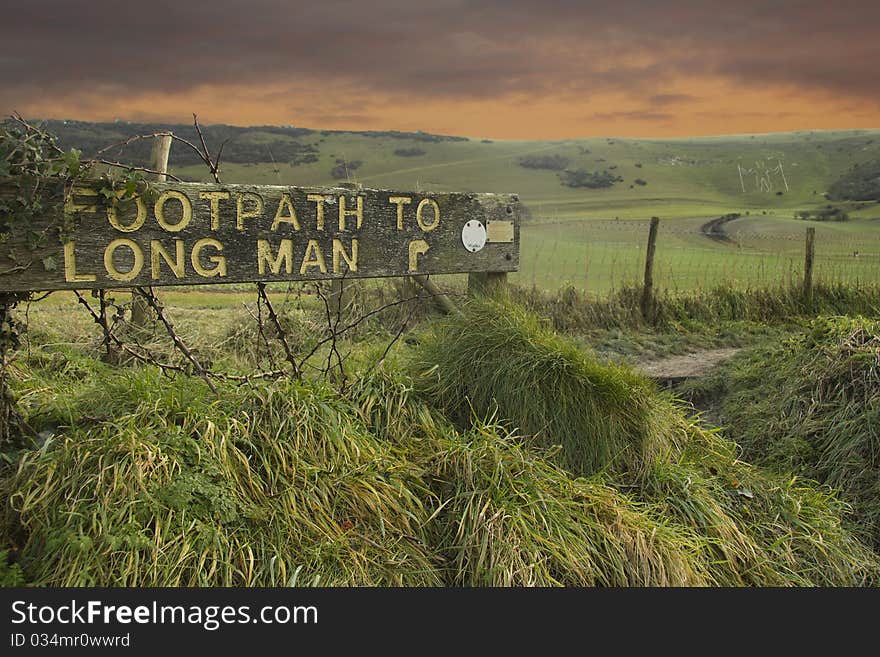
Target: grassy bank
[[570, 310], [488, 452], [810, 405]]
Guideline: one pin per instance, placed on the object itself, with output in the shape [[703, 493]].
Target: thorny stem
[[178, 342], [282, 336]]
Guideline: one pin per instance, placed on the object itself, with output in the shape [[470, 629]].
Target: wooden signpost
[[191, 234]]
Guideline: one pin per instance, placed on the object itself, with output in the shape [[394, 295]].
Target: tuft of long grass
[[269, 485], [510, 518], [496, 358], [505, 516], [763, 528], [756, 527]]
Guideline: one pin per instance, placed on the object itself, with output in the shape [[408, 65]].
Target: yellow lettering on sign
[[158, 253], [285, 257], [400, 201], [318, 200], [242, 213], [113, 215], [70, 204], [219, 262], [313, 258], [343, 213], [425, 202], [416, 248], [290, 218], [351, 261], [186, 212], [110, 266], [70, 274], [215, 198]]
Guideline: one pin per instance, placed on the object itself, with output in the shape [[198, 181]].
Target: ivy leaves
[[29, 158]]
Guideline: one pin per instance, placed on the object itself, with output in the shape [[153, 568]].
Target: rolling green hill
[[582, 235], [684, 177]]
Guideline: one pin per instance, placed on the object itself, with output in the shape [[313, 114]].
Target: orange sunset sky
[[511, 69]]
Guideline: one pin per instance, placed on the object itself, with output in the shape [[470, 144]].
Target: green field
[[595, 238], [768, 249]]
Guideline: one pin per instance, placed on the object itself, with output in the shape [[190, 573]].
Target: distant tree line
[[241, 146], [395, 134]]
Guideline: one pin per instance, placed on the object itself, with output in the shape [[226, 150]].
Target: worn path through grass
[[686, 366]]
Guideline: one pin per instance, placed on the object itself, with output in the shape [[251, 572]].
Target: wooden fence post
[[488, 283], [140, 310], [648, 289], [809, 253]]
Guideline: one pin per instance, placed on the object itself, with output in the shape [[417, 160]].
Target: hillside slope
[[674, 178]]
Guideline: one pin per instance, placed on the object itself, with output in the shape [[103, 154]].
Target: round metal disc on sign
[[473, 236]]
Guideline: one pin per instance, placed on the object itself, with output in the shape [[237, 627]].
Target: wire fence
[[603, 255]]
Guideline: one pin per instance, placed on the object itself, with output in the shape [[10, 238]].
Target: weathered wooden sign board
[[190, 234]]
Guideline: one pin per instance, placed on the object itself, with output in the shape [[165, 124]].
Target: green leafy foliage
[[10, 573]]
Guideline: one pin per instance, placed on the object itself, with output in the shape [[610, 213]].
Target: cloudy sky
[[490, 68]]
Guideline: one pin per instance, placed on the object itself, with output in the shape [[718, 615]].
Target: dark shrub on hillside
[[305, 158], [589, 179], [828, 213], [639, 181], [344, 168], [409, 152], [551, 162]]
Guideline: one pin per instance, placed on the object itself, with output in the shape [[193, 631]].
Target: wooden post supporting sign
[[159, 161]]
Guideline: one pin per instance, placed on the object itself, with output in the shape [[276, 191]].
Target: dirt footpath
[[685, 366]]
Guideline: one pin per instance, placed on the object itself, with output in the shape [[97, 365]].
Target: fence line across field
[[599, 256]]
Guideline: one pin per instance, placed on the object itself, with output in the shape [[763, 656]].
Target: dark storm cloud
[[438, 49]]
